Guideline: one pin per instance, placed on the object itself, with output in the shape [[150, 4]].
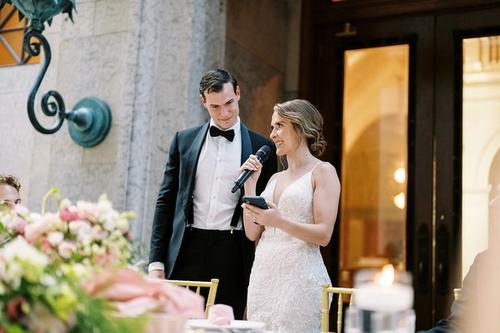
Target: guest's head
[[299, 122], [9, 190], [220, 94]]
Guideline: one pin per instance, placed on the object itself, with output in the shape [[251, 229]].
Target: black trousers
[[207, 254]]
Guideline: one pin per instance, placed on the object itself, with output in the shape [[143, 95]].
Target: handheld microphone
[[262, 154]]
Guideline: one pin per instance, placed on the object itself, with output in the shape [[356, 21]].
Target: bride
[[288, 271]]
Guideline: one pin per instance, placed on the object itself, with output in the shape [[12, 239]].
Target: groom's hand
[[157, 274]]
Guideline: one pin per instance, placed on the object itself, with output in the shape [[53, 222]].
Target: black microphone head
[[263, 153]]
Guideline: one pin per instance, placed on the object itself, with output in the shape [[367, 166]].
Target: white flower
[[21, 260], [87, 210], [79, 269], [13, 274], [98, 233], [48, 280], [81, 229], [41, 225], [65, 203], [19, 249], [104, 206], [55, 238], [122, 224], [66, 249]]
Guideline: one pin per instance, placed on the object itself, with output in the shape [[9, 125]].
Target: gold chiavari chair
[[456, 293], [325, 305], [196, 287]]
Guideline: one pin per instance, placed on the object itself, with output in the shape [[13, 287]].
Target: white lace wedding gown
[[287, 274]]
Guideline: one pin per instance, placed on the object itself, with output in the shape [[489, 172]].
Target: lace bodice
[[287, 274]]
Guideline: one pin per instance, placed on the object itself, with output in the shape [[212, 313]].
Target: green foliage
[[94, 314]]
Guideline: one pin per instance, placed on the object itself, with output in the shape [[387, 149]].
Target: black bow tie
[[229, 134]]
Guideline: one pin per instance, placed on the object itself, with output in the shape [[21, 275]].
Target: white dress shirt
[[217, 169]]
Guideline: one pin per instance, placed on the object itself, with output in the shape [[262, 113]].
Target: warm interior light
[[387, 276], [400, 175], [400, 200]]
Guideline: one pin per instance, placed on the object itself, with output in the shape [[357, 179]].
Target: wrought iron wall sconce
[[90, 119]]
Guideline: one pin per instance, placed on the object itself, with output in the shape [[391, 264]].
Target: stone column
[[175, 43]]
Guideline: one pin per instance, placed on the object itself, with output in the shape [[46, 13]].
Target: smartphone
[[255, 200]]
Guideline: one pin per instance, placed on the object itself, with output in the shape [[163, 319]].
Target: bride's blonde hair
[[306, 120]]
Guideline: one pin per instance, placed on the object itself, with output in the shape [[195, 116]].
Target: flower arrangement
[[37, 296], [91, 234], [67, 272]]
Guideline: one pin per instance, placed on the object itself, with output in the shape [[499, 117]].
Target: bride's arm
[[326, 196], [252, 231]]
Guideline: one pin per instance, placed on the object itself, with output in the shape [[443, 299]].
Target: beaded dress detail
[[285, 283]]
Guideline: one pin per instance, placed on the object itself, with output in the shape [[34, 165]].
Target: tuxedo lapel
[[246, 149], [246, 144], [192, 156]]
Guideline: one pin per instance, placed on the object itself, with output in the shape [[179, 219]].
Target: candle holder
[[382, 303]]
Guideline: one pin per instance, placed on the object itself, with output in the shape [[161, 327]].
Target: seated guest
[[476, 309], [9, 191]]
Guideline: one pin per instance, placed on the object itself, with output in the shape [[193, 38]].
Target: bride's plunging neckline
[[286, 187]]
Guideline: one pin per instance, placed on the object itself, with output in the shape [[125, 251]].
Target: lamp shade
[[41, 11]]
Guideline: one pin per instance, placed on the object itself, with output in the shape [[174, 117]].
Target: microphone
[[262, 154]]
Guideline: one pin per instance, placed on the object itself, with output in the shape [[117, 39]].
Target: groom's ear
[[237, 92]]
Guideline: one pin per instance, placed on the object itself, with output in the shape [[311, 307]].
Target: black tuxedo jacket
[[174, 206]]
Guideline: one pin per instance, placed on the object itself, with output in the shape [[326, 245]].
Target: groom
[[197, 227]]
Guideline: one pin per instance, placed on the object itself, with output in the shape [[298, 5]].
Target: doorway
[[402, 98]]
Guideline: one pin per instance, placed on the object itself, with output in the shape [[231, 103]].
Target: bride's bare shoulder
[[326, 173]]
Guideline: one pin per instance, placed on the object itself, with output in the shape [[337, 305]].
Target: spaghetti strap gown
[[285, 283]]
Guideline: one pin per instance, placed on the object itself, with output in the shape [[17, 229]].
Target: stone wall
[[145, 59], [262, 50]]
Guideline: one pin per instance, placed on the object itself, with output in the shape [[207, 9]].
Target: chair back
[[196, 286], [325, 305]]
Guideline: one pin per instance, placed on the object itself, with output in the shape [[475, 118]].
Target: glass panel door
[[374, 159], [480, 142]]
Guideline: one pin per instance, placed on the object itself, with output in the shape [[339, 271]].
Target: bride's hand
[[270, 217], [253, 164]]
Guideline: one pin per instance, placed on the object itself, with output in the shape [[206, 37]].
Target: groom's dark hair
[[214, 80]]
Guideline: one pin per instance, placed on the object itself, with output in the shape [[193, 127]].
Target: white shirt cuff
[[156, 266]]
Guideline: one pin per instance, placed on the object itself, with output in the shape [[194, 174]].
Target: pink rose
[[125, 285], [33, 231], [17, 224], [69, 215], [87, 211]]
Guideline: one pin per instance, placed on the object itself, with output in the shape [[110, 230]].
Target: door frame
[[419, 208], [434, 201], [451, 29]]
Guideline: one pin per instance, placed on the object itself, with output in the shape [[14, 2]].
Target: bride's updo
[[307, 120]]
